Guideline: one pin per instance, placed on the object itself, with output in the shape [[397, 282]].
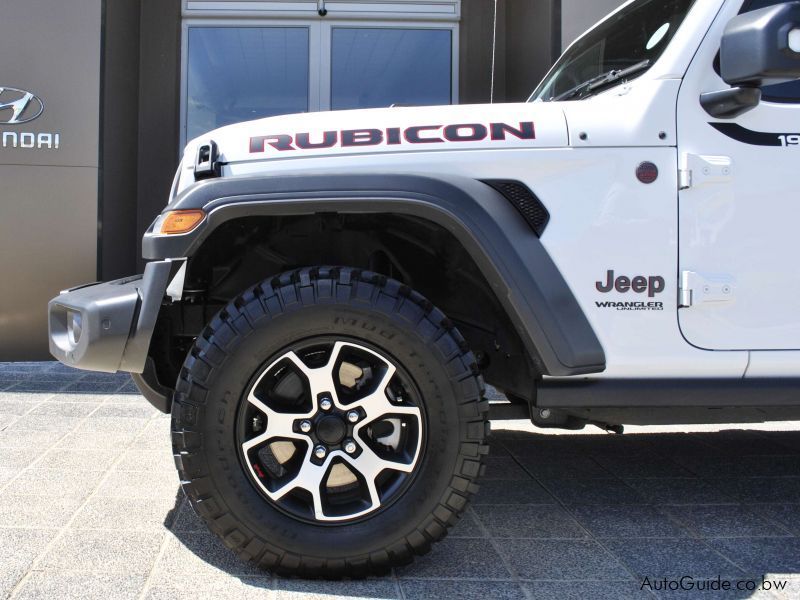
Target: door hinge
[[699, 289], [697, 170]]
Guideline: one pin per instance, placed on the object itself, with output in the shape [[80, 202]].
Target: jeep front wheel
[[329, 422]]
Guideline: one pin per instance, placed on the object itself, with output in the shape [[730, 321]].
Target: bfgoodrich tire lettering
[[340, 303]]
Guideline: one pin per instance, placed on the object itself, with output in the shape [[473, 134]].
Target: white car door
[[739, 211]]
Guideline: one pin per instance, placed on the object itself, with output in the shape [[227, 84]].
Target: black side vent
[[524, 200]]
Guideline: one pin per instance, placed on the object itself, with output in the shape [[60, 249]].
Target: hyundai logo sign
[[19, 106]]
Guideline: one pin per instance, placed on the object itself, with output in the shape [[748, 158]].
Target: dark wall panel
[[119, 139], [159, 110]]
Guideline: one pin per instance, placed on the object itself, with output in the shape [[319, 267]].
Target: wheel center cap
[[331, 430]]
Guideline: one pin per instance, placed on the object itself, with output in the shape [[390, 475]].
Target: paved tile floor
[[90, 507]]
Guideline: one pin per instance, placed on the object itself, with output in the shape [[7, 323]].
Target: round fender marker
[[647, 172]]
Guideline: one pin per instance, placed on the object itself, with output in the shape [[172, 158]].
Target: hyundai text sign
[[18, 107]]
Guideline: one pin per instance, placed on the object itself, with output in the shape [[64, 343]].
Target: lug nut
[[320, 451], [325, 404], [353, 416], [305, 426], [350, 447]]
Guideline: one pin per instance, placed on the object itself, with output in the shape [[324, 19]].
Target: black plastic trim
[[529, 286], [118, 319], [148, 384], [667, 393]]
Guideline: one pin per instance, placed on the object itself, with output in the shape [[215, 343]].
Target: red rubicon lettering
[[526, 131], [468, 132], [329, 139], [279, 142], [394, 136], [413, 136], [361, 137]]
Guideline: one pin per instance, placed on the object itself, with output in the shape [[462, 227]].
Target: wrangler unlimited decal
[[393, 136]]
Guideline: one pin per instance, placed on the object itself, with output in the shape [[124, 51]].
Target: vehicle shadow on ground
[[620, 514]]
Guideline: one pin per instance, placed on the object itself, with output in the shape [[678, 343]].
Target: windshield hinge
[[699, 289], [697, 170]]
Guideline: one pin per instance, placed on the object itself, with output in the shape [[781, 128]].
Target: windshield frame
[[594, 37]]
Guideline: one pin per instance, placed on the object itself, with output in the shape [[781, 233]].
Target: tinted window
[[783, 92], [241, 73], [639, 32], [372, 68]]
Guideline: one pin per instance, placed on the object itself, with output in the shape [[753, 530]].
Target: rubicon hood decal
[[393, 136], [754, 138]]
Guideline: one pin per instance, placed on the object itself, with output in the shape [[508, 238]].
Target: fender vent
[[524, 200]]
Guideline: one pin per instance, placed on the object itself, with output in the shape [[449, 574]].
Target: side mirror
[[762, 47], [758, 48]]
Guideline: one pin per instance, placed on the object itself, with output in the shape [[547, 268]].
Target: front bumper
[[107, 326]]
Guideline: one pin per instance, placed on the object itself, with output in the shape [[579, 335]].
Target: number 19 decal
[[789, 140]]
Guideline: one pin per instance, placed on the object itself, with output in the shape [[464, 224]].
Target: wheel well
[[423, 255]]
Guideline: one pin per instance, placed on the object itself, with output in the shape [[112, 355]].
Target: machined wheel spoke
[[377, 404], [309, 478], [279, 425]]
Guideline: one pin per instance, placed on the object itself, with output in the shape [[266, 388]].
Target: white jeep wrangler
[[328, 292]]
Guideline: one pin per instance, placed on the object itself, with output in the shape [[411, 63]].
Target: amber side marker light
[[179, 221]]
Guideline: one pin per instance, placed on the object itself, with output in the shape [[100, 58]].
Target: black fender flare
[[511, 257]]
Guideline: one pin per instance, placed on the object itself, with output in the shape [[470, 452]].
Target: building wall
[[578, 15], [49, 197]]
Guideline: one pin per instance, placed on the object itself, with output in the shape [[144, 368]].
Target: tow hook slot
[[206, 163]]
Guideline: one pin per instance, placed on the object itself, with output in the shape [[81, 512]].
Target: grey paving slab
[[138, 410], [134, 514], [564, 467], [93, 387], [593, 491], [786, 515], [112, 425], [18, 549], [761, 555], [725, 520], [41, 386], [672, 558], [189, 556], [681, 491], [371, 589], [581, 590], [504, 467], [54, 408], [640, 466], [18, 458], [139, 484], [88, 586], [540, 521], [41, 481], [467, 527], [217, 588], [36, 511], [61, 425], [465, 590], [512, 492], [561, 560], [104, 484], [68, 459], [752, 490], [128, 552], [92, 440], [455, 558], [626, 521], [150, 460], [15, 408]]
